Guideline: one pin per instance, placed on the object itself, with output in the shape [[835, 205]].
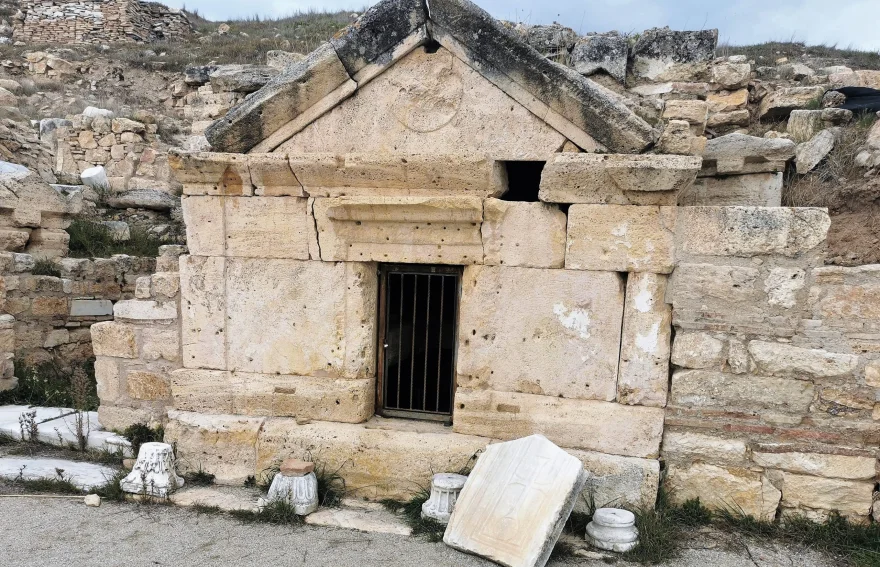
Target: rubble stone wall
[[773, 400], [50, 316], [98, 21]]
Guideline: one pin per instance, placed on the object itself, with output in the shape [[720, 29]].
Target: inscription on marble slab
[[516, 501]]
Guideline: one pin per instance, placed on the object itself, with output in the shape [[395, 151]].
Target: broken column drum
[[154, 473], [445, 488], [613, 529], [297, 485]]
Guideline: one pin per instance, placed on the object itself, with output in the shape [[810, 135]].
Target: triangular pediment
[[573, 106]]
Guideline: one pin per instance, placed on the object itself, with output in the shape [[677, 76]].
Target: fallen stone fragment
[[809, 154], [154, 472], [516, 501], [95, 177], [606, 52], [297, 485], [92, 500]]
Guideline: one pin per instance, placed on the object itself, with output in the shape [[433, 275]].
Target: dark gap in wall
[[432, 46], [523, 180]]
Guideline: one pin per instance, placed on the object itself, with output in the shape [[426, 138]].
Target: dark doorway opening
[[418, 309], [523, 180]]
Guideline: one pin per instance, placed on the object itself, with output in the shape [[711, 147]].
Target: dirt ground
[[66, 532]]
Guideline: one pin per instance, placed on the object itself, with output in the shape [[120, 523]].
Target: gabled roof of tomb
[[583, 111]]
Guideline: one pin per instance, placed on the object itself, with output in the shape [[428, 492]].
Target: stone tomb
[[516, 501]]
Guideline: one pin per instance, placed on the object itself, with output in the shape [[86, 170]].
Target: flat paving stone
[[83, 475]]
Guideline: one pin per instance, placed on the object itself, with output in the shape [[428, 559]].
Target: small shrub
[[51, 384], [90, 239], [274, 512], [46, 267], [111, 490], [692, 513], [140, 433], [411, 512], [331, 486], [59, 485]]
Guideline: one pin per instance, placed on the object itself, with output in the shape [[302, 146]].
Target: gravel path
[[48, 533]]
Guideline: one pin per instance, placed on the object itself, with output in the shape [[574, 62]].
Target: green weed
[[52, 384], [46, 267], [275, 512], [140, 433], [90, 239], [411, 513]]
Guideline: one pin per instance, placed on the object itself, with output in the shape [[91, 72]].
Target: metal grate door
[[418, 307]]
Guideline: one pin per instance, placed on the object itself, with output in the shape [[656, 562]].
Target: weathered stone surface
[[732, 489], [698, 350], [694, 112], [554, 41], [398, 174], [786, 360], [616, 429], [303, 397], [114, 339], [562, 341], [618, 480], [804, 124], [147, 386], [816, 497], [510, 238], [606, 51], [514, 66], [117, 418], [379, 459], [272, 176], [223, 445], [377, 31], [749, 231], [756, 189], [161, 343], [704, 389], [740, 153], [241, 78], [280, 59], [644, 355], [728, 102], [288, 94], [661, 54], [267, 227], [205, 233], [107, 378], [782, 286], [687, 446], [140, 310], [677, 138], [727, 120], [516, 502], [817, 464], [152, 199], [617, 179], [428, 230], [781, 102], [203, 311], [321, 317], [206, 173], [620, 238], [809, 154], [731, 75], [431, 101], [91, 307]]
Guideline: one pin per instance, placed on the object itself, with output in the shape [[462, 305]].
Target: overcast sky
[[846, 23]]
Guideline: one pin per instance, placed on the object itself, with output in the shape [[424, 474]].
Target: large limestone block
[[750, 231], [117, 418], [426, 230], [630, 431], [617, 179], [736, 154], [620, 238], [781, 102], [704, 389], [850, 467], [756, 189], [661, 54], [562, 339], [643, 378], [287, 95], [816, 498], [516, 502], [379, 459], [694, 112], [305, 318], [206, 173], [267, 227], [302, 397], [781, 359], [139, 310], [107, 379], [530, 235], [114, 339], [601, 51], [272, 176], [728, 101], [721, 488], [398, 174], [434, 101], [687, 446], [618, 481], [222, 445], [698, 350], [203, 311]]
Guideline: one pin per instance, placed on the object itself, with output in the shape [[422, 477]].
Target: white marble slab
[[83, 475]]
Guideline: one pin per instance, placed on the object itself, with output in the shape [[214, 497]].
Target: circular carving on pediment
[[429, 100]]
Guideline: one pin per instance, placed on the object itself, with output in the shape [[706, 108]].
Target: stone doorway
[[418, 330]]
